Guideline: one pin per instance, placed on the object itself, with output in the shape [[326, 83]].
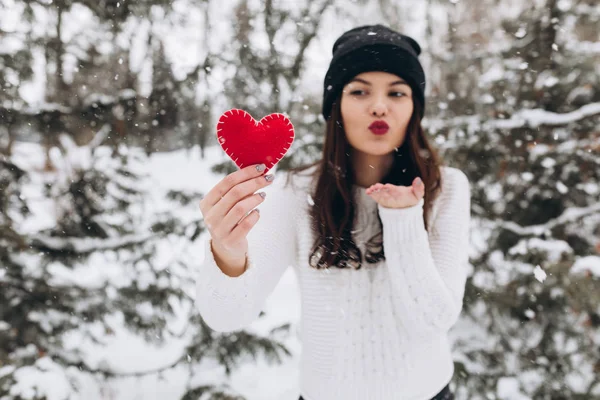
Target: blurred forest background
[[93, 91]]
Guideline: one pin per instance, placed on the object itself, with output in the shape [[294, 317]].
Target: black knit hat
[[373, 48]]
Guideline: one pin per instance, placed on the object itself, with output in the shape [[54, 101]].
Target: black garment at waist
[[445, 394]]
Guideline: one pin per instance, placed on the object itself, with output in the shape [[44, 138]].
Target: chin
[[381, 148], [378, 152]]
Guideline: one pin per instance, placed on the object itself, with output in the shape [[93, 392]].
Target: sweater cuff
[[219, 281], [405, 222]]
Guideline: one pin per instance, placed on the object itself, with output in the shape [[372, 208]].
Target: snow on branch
[[107, 373], [538, 117], [89, 245], [569, 215], [585, 265], [532, 118], [584, 47], [46, 107]]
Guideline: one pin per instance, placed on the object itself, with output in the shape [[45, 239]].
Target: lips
[[379, 127]]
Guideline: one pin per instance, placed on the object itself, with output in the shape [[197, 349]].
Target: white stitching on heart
[[257, 123]]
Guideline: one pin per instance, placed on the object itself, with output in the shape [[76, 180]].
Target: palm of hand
[[392, 196]]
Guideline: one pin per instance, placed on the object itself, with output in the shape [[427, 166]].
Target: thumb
[[418, 187]]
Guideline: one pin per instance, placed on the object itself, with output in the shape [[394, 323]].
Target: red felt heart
[[247, 141]]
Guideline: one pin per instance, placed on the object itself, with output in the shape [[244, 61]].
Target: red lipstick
[[379, 127]]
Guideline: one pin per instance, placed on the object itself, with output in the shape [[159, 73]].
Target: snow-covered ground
[[124, 351]]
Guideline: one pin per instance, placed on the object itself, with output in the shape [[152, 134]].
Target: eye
[[398, 94], [357, 92]]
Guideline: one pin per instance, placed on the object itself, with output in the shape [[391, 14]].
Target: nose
[[378, 108]]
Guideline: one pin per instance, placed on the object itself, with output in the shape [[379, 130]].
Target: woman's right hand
[[226, 210]]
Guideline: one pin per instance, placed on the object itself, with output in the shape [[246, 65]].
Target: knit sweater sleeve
[[228, 304], [428, 271]]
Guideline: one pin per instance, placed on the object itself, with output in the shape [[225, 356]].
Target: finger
[[241, 230], [418, 183], [240, 211], [418, 188], [385, 189], [224, 218], [240, 192], [226, 184], [415, 193], [394, 189], [374, 188]]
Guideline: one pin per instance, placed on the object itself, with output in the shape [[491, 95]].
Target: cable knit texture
[[378, 333]]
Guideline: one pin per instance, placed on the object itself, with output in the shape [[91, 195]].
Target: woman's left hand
[[392, 196]]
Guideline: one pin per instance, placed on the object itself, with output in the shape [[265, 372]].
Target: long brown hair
[[332, 216]]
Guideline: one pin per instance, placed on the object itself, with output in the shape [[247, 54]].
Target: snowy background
[[124, 352], [107, 144]]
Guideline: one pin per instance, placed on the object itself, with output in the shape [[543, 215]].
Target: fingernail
[[261, 167], [262, 194], [419, 181], [269, 177]]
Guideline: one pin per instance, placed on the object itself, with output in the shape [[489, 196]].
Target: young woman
[[377, 233]]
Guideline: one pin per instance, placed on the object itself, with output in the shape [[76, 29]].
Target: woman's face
[[381, 98]]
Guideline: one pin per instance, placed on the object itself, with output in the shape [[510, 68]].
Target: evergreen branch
[[538, 117], [4, 284], [115, 374], [307, 39], [88, 245], [4, 32], [8, 234], [100, 136], [592, 385], [271, 29], [525, 118], [583, 47], [569, 215], [40, 2]]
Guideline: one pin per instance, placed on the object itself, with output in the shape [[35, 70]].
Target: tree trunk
[[61, 86]]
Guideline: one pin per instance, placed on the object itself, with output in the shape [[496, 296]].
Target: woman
[[377, 233]]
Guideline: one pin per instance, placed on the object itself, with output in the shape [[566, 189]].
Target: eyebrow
[[398, 82]]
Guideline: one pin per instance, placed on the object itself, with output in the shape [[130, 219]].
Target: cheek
[[353, 137], [406, 111], [403, 115], [346, 109], [350, 115]]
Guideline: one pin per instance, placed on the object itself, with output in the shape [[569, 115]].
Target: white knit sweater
[[377, 333]]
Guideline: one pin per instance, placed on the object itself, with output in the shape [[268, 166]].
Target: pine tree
[[100, 268], [47, 296], [268, 80], [530, 151], [11, 243], [15, 69]]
